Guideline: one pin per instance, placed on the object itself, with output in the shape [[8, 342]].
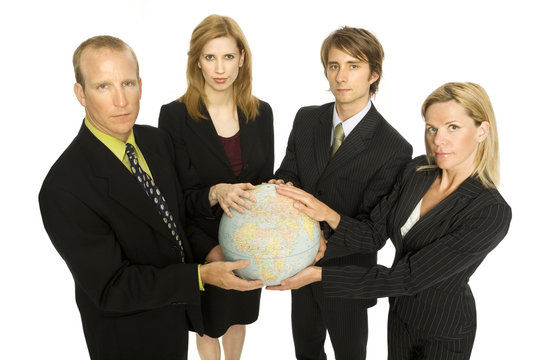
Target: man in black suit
[[347, 156], [121, 235]]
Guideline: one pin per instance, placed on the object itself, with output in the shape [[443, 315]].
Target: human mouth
[[442, 154], [220, 80], [118, 116]]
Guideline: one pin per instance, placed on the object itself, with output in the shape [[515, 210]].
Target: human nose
[[120, 98], [341, 76], [439, 138], [219, 66]]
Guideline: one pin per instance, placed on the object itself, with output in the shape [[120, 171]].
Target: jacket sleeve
[[288, 170], [463, 247], [99, 264], [366, 232]]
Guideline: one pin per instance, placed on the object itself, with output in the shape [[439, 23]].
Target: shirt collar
[[117, 147], [351, 122]]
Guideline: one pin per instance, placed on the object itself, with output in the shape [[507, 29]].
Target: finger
[[305, 209], [246, 285], [277, 287], [238, 208], [249, 186], [292, 192], [225, 209]]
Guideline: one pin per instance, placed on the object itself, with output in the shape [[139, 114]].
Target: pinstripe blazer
[[361, 172], [428, 281]]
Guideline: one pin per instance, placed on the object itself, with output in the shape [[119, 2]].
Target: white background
[[427, 43]]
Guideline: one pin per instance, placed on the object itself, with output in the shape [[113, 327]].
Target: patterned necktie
[[151, 189], [339, 135]]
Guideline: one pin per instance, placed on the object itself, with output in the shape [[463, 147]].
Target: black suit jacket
[[428, 281], [135, 297], [353, 181], [202, 162]]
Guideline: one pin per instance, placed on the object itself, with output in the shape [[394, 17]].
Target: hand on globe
[[231, 196], [305, 277], [220, 273], [279, 182], [310, 205]]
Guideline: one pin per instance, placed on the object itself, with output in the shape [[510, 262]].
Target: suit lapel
[[206, 132], [354, 143], [441, 213], [123, 187], [321, 138]]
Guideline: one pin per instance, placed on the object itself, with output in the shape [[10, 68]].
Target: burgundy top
[[234, 151]]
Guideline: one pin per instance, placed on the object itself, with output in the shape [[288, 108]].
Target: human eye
[[229, 56], [102, 86], [209, 57], [128, 83], [333, 67], [431, 130], [453, 127], [354, 66]]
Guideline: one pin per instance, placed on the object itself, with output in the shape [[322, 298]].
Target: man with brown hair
[[346, 155], [114, 211]]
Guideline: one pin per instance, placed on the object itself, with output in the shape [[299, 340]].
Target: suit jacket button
[[318, 193]]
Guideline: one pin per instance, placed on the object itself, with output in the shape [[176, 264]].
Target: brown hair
[[213, 27], [358, 43], [477, 105], [97, 43]]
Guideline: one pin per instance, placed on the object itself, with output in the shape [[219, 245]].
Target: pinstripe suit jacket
[[428, 281], [361, 172]]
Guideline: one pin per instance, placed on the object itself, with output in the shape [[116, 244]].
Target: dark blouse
[[234, 151]]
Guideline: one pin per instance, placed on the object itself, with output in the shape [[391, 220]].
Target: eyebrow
[[347, 62], [446, 123]]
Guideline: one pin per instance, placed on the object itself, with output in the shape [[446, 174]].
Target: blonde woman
[[224, 142], [444, 216]]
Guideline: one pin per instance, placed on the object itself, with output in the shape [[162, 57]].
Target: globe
[[277, 239]]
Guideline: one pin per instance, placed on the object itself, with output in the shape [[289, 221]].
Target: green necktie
[[338, 138]]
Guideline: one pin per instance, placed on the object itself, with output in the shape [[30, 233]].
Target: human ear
[[483, 131], [241, 59], [79, 93], [373, 77]]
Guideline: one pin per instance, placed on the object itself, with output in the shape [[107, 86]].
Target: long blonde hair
[[213, 27], [476, 103]]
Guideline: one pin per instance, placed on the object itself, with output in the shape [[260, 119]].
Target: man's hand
[[310, 205], [231, 196], [220, 273], [307, 276]]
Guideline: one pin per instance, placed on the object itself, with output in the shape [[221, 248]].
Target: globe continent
[[277, 239]]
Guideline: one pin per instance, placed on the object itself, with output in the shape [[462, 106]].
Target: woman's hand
[[310, 205], [307, 276], [231, 196]]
